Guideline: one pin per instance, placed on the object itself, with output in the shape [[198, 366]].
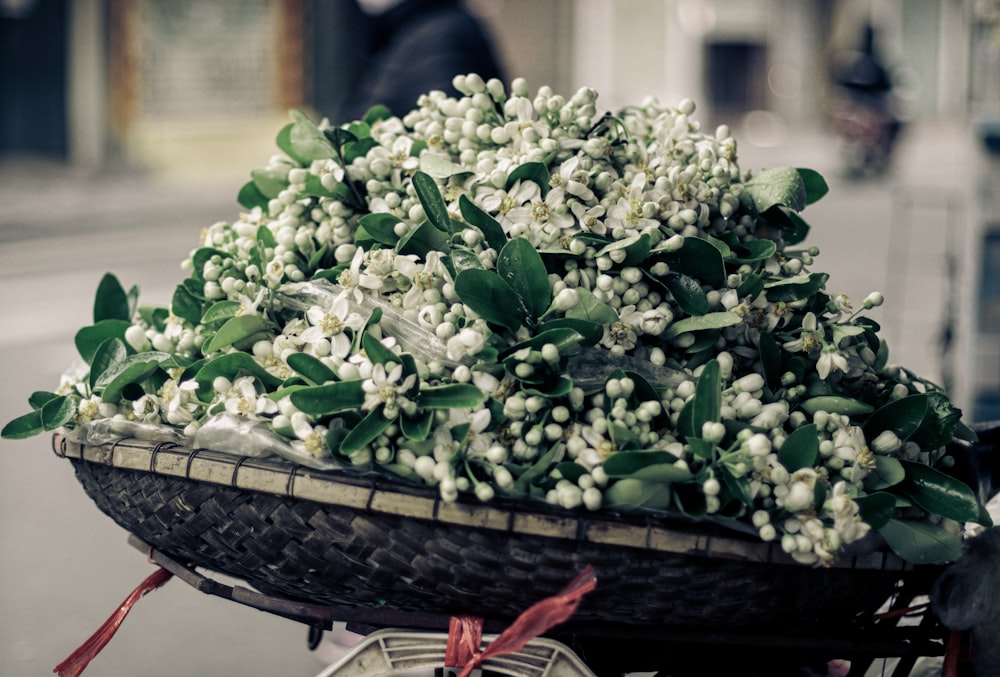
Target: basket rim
[[380, 494]]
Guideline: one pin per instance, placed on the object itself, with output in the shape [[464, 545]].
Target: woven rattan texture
[[343, 556]]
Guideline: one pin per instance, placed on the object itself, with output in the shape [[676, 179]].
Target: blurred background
[[127, 126]]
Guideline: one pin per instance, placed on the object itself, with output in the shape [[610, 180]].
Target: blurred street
[[64, 566]]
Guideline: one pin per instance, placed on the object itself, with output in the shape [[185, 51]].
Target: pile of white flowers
[[518, 295]]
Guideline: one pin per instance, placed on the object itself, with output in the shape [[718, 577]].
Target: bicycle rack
[[390, 652], [397, 642]]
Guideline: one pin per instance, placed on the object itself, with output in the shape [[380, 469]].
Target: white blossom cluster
[[609, 202]]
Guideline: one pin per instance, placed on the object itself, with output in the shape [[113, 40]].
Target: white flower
[[180, 401], [146, 409], [311, 439], [386, 389], [466, 343], [811, 338], [243, 399], [628, 212], [830, 360], [327, 333]]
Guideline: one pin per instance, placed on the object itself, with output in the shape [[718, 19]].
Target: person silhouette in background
[[867, 118], [416, 46]]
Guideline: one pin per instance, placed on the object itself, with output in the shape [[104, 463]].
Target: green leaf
[[235, 329], [551, 388], [23, 427], [635, 493], [655, 466], [563, 338], [491, 229], [590, 332], [377, 352], [307, 142], [921, 542], [58, 412], [440, 166], [463, 258], [432, 202], [186, 305], [230, 366], [569, 470], [795, 288], [592, 309], [381, 226], [770, 358], [814, 184], [522, 268], [109, 354], [250, 196], [376, 113], [220, 311], [331, 398], [753, 251], [876, 508], [538, 469], [270, 181], [636, 249], [624, 437], [707, 402], [777, 186], [800, 449], [311, 368], [701, 323], [794, 229], [89, 339], [699, 447], [111, 301], [888, 472], [450, 396], [40, 398], [836, 405], [687, 292], [739, 487], [365, 432], [939, 494], [902, 416], [697, 258], [493, 299], [939, 424], [265, 237], [423, 239], [417, 428], [133, 369], [751, 286], [530, 171]]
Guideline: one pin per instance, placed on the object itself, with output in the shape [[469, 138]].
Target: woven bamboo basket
[[348, 539]]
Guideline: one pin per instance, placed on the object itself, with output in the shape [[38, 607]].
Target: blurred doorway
[[33, 77]]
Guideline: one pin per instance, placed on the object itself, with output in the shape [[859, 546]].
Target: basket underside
[[347, 555]]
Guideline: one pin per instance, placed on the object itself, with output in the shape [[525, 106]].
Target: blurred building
[[191, 87], [92, 81]]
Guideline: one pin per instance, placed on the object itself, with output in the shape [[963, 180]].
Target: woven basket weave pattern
[[344, 555]]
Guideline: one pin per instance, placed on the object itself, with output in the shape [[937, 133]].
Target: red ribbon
[[77, 661], [465, 632]]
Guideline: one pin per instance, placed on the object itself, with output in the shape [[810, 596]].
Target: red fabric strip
[[465, 635], [77, 661], [535, 621]]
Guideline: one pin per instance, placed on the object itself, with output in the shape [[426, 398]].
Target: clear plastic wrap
[[419, 341], [105, 430], [235, 435]]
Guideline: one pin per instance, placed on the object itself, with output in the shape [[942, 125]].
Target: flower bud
[[566, 299], [886, 442]]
